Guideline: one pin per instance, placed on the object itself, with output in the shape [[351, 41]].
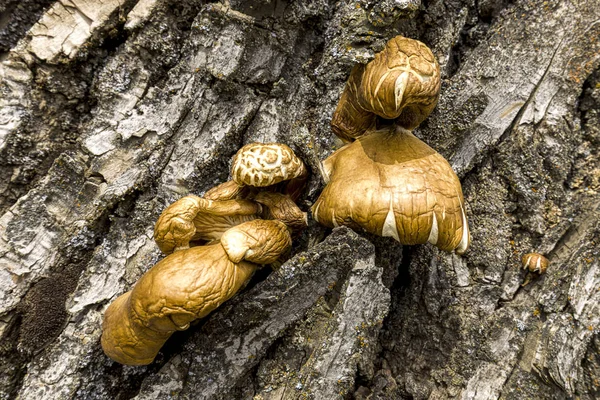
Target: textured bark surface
[[110, 110]]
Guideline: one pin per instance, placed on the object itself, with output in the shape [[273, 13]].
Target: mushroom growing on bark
[[266, 164], [247, 225], [185, 286], [535, 262], [387, 181], [254, 166], [196, 218], [392, 184], [402, 83]]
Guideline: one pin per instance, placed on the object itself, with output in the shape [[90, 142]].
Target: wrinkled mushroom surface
[[401, 83], [185, 286], [266, 164], [392, 184], [196, 218]]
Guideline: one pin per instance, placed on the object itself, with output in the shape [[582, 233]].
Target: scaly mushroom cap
[[392, 184], [266, 164], [195, 218], [259, 241], [402, 82]]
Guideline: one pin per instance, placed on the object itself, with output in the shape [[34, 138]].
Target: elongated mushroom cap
[[180, 288], [402, 83], [258, 241], [195, 218], [392, 184], [266, 164]]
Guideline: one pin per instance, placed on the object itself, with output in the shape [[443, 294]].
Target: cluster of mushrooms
[[384, 180], [214, 244]]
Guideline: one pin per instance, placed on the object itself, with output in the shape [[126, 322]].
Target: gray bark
[[111, 110]]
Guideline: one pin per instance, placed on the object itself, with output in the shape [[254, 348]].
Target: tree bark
[[110, 111]]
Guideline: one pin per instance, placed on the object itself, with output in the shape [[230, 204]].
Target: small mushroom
[[226, 191], [402, 83], [282, 208], [266, 164], [535, 262], [185, 286], [392, 184], [196, 218]]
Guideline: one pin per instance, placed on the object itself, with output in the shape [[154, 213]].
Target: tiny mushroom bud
[[402, 83], [392, 184], [535, 262], [185, 286]]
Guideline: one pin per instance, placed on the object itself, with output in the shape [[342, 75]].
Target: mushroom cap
[[402, 83], [266, 164], [175, 228], [392, 184], [196, 218], [258, 241], [180, 288], [282, 208], [535, 262]]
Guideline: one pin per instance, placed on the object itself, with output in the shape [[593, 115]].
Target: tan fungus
[[185, 286], [392, 184]]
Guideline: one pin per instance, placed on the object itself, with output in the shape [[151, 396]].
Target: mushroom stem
[[350, 120]]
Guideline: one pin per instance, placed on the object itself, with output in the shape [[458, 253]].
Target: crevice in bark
[[16, 17]]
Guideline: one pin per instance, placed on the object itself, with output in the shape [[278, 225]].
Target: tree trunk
[[110, 111]]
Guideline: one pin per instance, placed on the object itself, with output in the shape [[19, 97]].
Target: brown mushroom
[[196, 218], [402, 83], [266, 164], [535, 262], [185, 286], [227, 191], [282, 208], [392, 184]]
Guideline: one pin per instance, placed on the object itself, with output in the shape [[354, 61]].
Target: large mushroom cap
[[402, 82], [392, 184], [266, 164]]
